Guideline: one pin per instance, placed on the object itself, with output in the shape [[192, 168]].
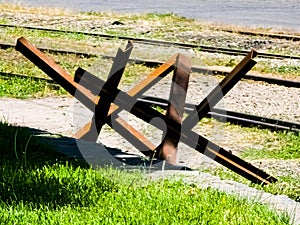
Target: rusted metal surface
[[128, 101], [168, 148], [132, 135]]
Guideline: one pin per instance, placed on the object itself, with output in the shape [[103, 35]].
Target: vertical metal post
[[167, 150]]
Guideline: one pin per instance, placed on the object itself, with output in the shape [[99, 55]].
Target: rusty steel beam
[[58, 74], [167, 150], [204, 107], [137, 139], [103, 106]]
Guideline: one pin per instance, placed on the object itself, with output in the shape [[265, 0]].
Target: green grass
[[32, 34], [281, 146], [287, 145], [23, 88], [134, 73], [19, 145], [288, 68], [3, 21], [263, 65], [40, 186], [275, 152], [27, 87], [105, 203], [156, 203], [21, 65]]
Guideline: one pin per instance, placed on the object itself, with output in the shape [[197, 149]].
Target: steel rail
[[288, 37], [6, 46], [242, 119], [204, 48], [22, 76], [269, 35], [152, 63]]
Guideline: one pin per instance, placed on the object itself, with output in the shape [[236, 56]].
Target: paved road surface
[[257, 13]]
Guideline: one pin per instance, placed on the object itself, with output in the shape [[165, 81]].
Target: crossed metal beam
[[106, 101]]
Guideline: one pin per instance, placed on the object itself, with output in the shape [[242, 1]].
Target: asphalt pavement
[[279, 14]]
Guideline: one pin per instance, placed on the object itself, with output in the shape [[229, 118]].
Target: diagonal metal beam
[[133, 136], [221, 90], [57, 73]]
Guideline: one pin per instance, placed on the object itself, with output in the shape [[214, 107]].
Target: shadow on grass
[[32, 172], [43, 169]]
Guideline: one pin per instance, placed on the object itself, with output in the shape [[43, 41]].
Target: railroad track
[[242, 119], [152, 63], [269, 35], [221, 115], [167, 43]]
